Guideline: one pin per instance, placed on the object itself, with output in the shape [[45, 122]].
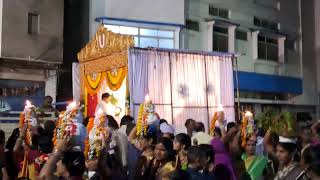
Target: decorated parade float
[[181, 84]]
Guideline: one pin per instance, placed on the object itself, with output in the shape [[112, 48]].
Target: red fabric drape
[[92, 100]]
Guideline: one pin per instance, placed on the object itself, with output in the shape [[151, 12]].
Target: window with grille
[[267, 48], [146, 37], [192, 25], [219, 12], [265, 23], [220, 39], [241, 35], [290, 44], [33, 23]]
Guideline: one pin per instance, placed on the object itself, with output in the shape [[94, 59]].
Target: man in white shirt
[[103, 104], [200, 137]]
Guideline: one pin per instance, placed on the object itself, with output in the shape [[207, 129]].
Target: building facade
[[31, 47], [311, 35], [266, 35]]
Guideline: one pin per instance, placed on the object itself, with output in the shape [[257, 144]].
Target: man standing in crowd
[[103, 104], [190, 125]]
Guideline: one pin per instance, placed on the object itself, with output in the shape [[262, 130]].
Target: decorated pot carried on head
[[248, 127], [218, 120], [98, 134], [29, 119], [285, 126], [148, 119], [70, 124]]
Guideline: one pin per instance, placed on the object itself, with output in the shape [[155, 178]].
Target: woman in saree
[[181, 144], [162, 165], [256, 165], [289, 167]]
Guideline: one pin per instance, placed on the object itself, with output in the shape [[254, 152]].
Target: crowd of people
[[160, 153]]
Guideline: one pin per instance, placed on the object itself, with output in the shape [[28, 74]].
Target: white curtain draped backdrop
[[181, 85]]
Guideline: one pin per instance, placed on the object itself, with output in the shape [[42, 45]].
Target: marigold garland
[[115, 81], [93, 85], [244, 130], [213, 123], [96, 144], [22, 118], [145, 124], [86, 142], [58, 124], [90, 124], [61, 124], [140, 119]]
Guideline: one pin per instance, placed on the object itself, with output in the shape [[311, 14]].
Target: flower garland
[[213, 123], [244, 130], [140, 120], [62, 123], [58, 124], [86, 142], [93, 82], [115, 78], [145, 124], [22, 118], [98, 133]]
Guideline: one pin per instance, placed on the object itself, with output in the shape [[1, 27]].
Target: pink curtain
[[181, 85]]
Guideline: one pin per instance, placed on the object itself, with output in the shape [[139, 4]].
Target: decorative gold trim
[[105, 43], [107, 63]]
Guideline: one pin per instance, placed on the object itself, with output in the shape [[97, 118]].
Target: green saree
[[255, 165]]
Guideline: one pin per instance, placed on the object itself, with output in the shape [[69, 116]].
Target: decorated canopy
[[103, 62]]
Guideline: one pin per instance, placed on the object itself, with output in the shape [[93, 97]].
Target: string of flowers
[[213, 123], [55, 133], [140, 120], [86, 142], [64, 118], [26, 116], [144, 122], [22, 118], [244, 130], [98, 133]]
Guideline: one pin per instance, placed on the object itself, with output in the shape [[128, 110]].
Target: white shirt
[[201, 138], [103, 106]]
